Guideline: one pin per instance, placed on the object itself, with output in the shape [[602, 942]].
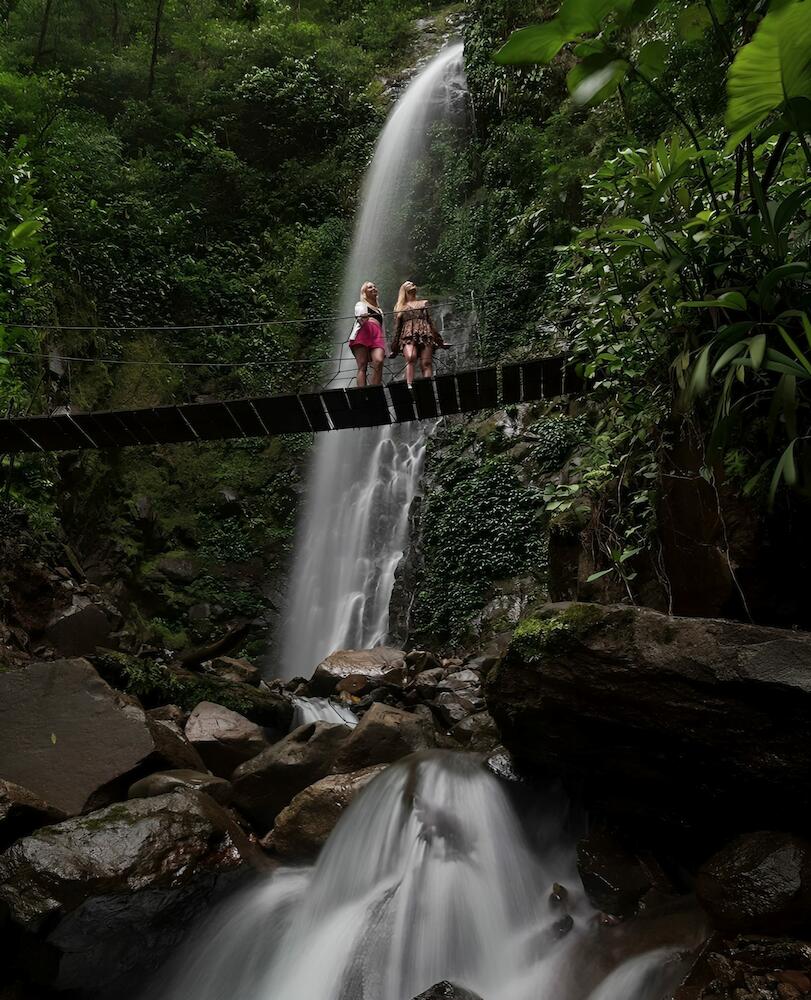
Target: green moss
[[153, 683], [115, 814], [537, 635], [156, 684], [171, 637]]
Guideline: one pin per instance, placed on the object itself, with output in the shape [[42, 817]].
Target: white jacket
[[361, 314]]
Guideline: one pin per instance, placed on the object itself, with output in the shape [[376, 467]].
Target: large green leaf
[[773, 68], [596, 78], [693, 21], [651, 59], [540, 43]]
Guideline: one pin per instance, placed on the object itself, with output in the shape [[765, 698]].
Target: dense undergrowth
[[165, 164], [639, 197], [634, 192]]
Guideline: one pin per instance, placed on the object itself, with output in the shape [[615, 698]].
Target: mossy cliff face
[[480, 532], [188, 540], [691, 727]]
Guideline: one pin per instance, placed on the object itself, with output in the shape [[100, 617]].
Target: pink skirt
[[369, 335]]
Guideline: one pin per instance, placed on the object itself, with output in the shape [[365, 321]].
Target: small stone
[[561, 927], [239, 670], [163, 782], [452, 708], [224, 739], [168, 713], [462, 680], [477, 732], [559, 896], [421, 660], [426, 681], [354, 684], [447, 990]]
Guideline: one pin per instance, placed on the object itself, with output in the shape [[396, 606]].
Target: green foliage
[[557, 437], [773, 73], [479, 525], [535, 636]]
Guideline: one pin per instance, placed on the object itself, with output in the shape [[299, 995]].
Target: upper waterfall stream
[[354, 527]]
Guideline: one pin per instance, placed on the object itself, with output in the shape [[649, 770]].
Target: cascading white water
[[306, 710], [361, 484], [428, 876]]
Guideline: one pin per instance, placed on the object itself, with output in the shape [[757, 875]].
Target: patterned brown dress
[[414, 326]]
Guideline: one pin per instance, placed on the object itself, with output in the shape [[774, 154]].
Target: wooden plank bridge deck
[[331, 409]]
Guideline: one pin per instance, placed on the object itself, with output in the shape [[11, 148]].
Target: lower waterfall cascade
[[428, 876]]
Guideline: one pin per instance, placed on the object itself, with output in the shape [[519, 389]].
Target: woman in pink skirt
[[368, 338]]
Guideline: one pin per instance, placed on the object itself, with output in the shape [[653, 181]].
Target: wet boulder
[[447, 990], [383, 735], [163, 782], [759, 882], [452, 708], [427, 681], [97, 901], [477, 732], [267, 783], [420, 660], [22, 812], [65, 735], [302, 828], [238, 670], [79, 628], [172, 747], [462, 681], [224, 739], [614, 878], [673, 724], [382, 665]]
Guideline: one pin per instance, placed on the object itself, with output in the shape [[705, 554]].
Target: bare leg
[[427, 361], [410, 355], [361, 360], [377, 365]]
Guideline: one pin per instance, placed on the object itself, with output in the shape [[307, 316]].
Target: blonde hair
[[363, 288], [407, 293]]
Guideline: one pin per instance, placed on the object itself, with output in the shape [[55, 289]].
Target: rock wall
[[686, 726]]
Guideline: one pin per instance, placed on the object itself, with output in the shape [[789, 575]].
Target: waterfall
[[354, 527], [429, 875]]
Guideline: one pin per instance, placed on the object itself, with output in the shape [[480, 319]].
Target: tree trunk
[[114, 28], [155, 41], [43, 31]]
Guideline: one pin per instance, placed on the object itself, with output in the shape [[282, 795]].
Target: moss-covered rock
[[158, 684], [682, 724]]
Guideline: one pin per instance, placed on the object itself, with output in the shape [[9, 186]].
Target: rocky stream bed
[[135, 793]]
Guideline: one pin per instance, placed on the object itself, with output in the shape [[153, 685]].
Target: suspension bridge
[[482, 388]]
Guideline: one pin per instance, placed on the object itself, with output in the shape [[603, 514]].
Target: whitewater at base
[[428, 876]]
